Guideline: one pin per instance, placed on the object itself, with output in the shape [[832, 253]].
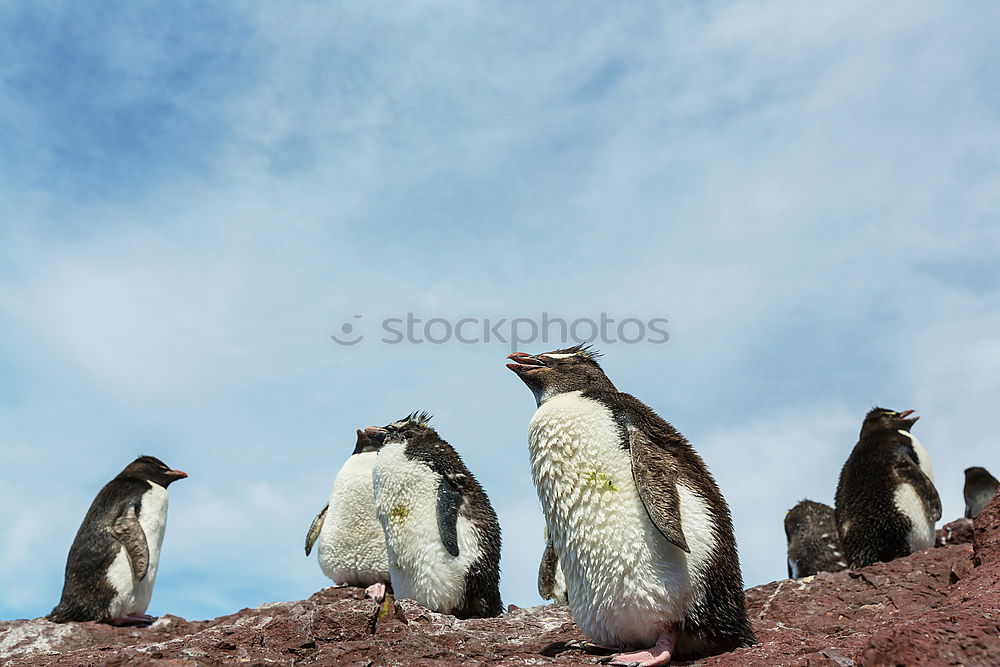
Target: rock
[[940, 606], [956, 532], [334, 626]]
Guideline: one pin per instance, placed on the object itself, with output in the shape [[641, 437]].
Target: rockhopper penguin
[[351, 549], [441, 533], [641, 530], [980, 487], [886, 503], [813, 542], [112, 564]]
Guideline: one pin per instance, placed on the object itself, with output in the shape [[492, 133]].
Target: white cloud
[[806, 195]]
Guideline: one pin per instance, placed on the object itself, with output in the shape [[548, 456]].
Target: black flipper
[[547, 572], [448, 501], [317, 525], [909, 469], [129, 533], [654, 471]]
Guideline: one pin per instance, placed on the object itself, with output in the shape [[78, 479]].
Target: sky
[[195, 198]]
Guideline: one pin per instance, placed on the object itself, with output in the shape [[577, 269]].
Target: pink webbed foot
[[376, 591], [657, 655]]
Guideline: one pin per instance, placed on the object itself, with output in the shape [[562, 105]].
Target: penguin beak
[[374, 433], [906, 419], [177, 474], [524, 362]]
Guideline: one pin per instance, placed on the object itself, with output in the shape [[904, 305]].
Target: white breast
[[923, 457], [624, 580], [131, 596], [908, 503], [351, 545], [406, 506]]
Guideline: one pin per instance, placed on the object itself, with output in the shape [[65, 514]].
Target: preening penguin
[[643, 534], [441, 533], [813, 542], [980, 487], [113, 562], [351, 547], [886, 503]]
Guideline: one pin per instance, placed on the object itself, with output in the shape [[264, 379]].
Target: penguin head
[[412, 428], [152, 469], [804, 516], [370, 440], [976, 474], [557, 372], [879, 420]]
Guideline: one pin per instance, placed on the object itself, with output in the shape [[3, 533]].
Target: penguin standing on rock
[[642, 532], [813, 542], [886, 503], [113, 562], [980, 487], [441, 533], [351, 547]]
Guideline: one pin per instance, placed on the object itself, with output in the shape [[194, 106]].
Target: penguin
[[351, 547], [886, 504], [441, 533], [113, 561], [551, 582], [980, 487], [643, 534], [813, 542]]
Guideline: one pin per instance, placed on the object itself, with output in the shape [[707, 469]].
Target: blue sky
[[193, 198]]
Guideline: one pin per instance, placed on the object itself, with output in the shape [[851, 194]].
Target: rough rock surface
[[956, 532], [937, 607]]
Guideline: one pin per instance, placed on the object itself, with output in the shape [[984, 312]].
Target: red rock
[[936, 607], [956, 532]]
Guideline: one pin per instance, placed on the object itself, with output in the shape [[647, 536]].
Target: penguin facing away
[[886, 503], [813, 542], [980, 487], [643, 534], [441, 533], [551, 582], [112, 564], [351, 549]]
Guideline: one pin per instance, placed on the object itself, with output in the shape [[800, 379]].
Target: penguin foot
[[657, 655], [376, 592], [133, 619], [589, 647]]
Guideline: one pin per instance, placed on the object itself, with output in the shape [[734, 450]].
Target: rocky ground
[[937, 607]]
